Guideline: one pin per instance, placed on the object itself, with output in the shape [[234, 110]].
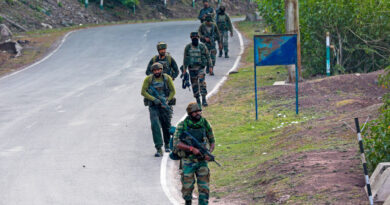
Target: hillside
[[35, 14]]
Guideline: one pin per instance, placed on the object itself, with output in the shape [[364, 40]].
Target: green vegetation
[[358, 28], [128, 3], [377, 134]]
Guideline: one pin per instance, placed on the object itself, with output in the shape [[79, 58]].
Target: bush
[[359, 32], [377, 135]]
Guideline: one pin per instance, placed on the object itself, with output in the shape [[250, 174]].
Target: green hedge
[[360, 33]]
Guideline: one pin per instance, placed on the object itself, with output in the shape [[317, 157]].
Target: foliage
[[127, 3], [359, 30], [377, 136]]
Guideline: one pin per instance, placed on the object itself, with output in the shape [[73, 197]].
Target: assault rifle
[[162, 99], [195, 143], [186, 79]]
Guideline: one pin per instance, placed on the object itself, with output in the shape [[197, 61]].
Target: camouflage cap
[[193, 107], [194, 34], [161, 45], [156, 66]]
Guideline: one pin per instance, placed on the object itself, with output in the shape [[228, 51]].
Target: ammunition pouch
[[172, 102], [146, 102]]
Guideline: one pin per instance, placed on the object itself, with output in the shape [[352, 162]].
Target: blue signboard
[[275, 50]]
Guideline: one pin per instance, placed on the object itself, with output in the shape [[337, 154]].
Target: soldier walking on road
[[194, 164], [159, 92], [206, 11], [224, 25], [163, 57], [196, 57], [209, 33]]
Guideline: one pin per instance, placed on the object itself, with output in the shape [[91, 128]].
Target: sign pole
[[327, 54], [296, 88], [86, 3], [101, 4], [255, 74]]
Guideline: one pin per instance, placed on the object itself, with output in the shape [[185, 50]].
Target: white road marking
[[40, 61], [164, 162]]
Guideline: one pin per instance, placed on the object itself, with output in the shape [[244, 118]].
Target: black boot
[[220, 53], [188, 202], [204, 102], [159, 153], [166, 147], [226, 55]]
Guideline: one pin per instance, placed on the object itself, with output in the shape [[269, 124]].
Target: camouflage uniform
[[169, 64], [193, 166], [211, 32], [224, 25], [195, 59], [160, 117], [205, 12]]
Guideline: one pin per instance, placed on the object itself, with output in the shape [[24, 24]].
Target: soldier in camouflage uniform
[[159, 92], [196, 58], [194, 164], [163, 57], [224, 25], [206, 11], [209, 33]]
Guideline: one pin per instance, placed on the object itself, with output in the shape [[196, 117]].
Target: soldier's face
[[196, 115], [208, 23], [157, 72], [162, 52], [206, 4]]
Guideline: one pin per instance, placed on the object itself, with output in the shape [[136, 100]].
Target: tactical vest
[[210, 35], [221, 22], [161, 87], [166, 62], [195, 56]]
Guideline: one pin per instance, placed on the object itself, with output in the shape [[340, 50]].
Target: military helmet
[[161, 45], [194, 34], [156, 66], [193, 107], [209, 18], [222, 8]]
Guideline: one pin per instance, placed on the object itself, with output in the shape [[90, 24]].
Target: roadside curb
[[169, 190]]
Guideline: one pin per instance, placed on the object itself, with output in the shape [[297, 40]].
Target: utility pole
[[86, 3], [101, 4], [292, 26]]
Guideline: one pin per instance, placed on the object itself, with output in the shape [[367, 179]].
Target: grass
[[244, 146]]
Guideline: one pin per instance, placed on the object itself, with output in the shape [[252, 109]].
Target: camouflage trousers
[[160, 119], [201, 172], [225, 40], [198, 81]]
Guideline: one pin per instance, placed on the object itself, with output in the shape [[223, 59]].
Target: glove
[[157, 101]]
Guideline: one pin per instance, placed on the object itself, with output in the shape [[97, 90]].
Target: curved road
[[73, 128]]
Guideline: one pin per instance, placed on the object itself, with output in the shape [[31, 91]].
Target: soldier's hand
[[195, 151], [220, 46], [231, 34], [212, 146], [157, 101], [207, 39], [207, 158]]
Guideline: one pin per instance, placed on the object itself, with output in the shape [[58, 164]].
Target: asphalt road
[[74, 130]]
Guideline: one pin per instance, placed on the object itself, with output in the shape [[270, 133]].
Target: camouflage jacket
[[181, 128], [206, 11], [204, 55], [209, 32]]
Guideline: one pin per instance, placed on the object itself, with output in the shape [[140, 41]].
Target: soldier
[[159, 92], [224, 25], [209, 33], [163, 57], [194, 164], [207, 10], [196, 57]]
